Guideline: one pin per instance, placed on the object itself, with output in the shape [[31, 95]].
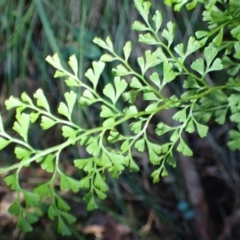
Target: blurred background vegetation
[[135, 209]]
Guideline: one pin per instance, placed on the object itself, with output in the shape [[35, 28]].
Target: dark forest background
[[135, 208]]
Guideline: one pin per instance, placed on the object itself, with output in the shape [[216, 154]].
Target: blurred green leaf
[[152, 60], [136, 127], [127, 50], [139, 26], [105, 161], [210, 53], [114, 136], [4, 143], [52, 212], [63, 228], [67, 183], [63, 109], [12, 182], [59, 74], [12, 102], [190, 126], [169, 33], [148, 39], [234, 143], [202, 129], [85, 182], [85, 164], [155, 79], [198, 66], [48, 164], [94, 74], [107, 58], [218, 39], [71, 98], [120, 86], [61, 204], [162, 128], [43, 190], [26, 98], [179, 49], [184, 149], [69, 218], [109, 123], [220, 116], [22, 153], [15, 208], [130, 110], [201, 34], [100, 194], [31, 199], [135, 83], [100, 43], [47, 122], [235, 32], [41, 99], [109, 92], [34, 117], [22, 125], [150, 96], [180, 115], [193, 46], [175, 136], [191, 83], [153, 106], [143, 8], [70, 82], [100, 183], [130, 96], [73, 63], [153, 151], [89, 199], [156, 175], [69, 133], [24, 225], [31, 217], [140, 144], [120, 70], [191, 5], [169, 74], [157, 18], [93, 147], [87, 98], [216, 65], [106, 112]]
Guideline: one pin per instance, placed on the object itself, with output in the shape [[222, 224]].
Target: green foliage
[[110, 150]]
